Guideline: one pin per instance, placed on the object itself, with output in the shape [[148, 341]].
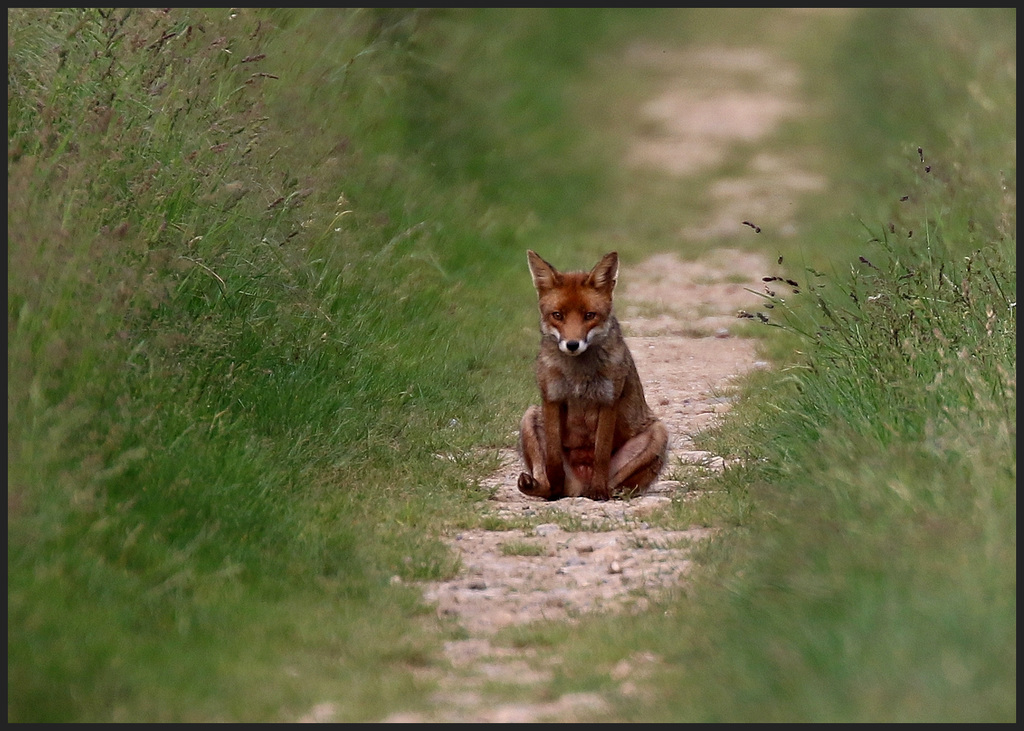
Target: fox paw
[[528, 485], [599, 493]]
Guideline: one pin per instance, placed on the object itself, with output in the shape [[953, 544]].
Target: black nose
[[572, 345]]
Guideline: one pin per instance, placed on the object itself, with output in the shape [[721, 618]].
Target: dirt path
[[575, 556]]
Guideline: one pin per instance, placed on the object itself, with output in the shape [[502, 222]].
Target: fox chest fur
[[604, 375]]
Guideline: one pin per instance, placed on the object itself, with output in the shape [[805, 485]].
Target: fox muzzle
[[572, 347]]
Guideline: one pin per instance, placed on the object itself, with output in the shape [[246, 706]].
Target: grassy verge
[[260, 342]]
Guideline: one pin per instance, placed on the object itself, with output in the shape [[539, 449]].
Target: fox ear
[[544, 275], [605, 273]]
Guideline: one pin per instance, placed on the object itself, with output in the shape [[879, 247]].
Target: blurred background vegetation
[[266, 332]]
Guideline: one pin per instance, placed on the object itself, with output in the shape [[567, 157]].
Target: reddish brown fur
[[594, 433]]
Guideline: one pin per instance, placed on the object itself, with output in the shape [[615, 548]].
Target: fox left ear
[[605, 273]]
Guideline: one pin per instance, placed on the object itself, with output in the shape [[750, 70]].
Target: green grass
[[239, 336], [523, 548], [265, 333]]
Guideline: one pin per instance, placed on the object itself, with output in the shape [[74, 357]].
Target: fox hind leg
[[532, 447], [639, 461]]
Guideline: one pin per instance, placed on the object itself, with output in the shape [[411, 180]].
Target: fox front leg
[[554, 466], [600, 489]]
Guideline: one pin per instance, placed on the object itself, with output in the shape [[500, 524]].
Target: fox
[[593, 435]]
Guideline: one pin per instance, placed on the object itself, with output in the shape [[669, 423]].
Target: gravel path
[[564, 559]]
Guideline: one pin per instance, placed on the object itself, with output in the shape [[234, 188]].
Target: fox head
[[575, 307]]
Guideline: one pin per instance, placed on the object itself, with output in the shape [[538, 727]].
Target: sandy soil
[[680, 318]]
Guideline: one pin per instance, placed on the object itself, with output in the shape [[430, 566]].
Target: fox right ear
[[605, 272], [544, 275]]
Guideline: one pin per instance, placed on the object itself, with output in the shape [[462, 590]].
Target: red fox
[[594, 434]]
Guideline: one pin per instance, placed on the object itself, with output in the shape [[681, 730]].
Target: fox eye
[[557, 315], [590, 316]]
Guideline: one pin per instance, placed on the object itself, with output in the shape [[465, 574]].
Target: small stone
[[614, 568], [477, 584]]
